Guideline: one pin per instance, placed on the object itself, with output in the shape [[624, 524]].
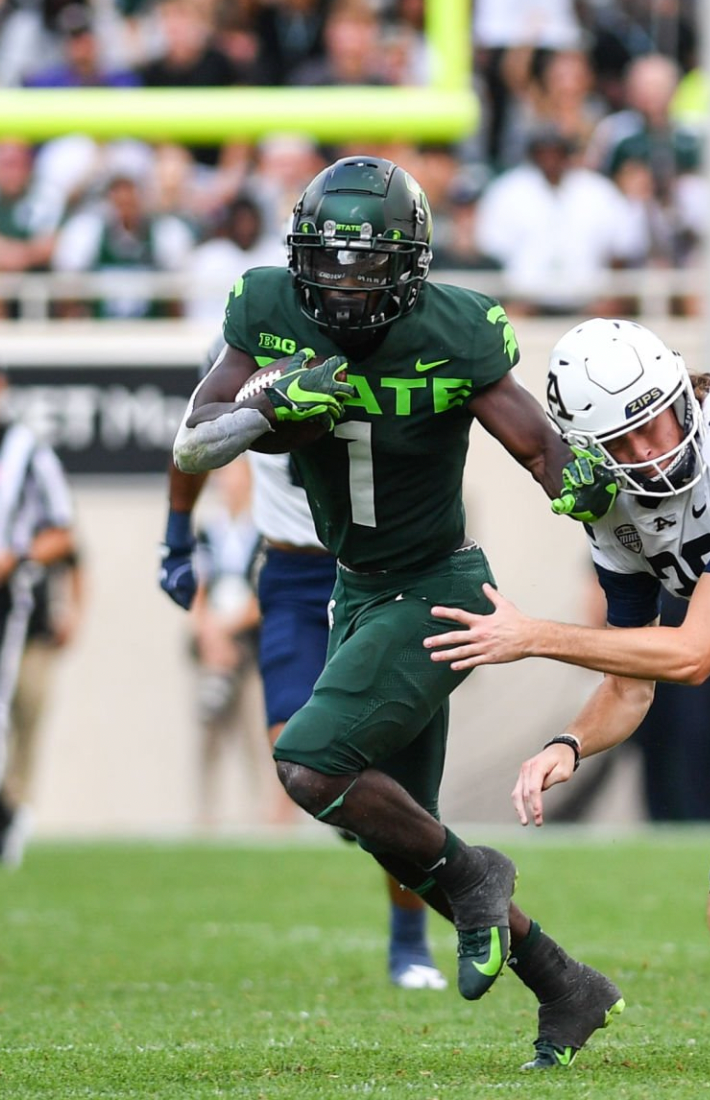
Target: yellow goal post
[[444, 110]]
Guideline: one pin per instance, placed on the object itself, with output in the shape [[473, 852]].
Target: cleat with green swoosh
[[482, 923], [591, 1002], [481, 954]]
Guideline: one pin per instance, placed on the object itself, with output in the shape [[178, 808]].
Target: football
[[285, 436]]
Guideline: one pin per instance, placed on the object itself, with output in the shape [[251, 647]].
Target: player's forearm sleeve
[[214, 443]]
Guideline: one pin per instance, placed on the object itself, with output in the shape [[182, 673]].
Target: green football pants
[[381, 701]]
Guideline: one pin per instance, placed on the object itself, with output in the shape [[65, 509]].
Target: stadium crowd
[[592, 121]]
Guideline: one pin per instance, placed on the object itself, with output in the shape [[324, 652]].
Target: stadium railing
[[654, 290]]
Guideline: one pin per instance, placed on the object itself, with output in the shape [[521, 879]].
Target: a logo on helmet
[[640, 403]]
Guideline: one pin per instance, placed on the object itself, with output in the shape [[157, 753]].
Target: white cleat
[[15, 837], [417, 976]]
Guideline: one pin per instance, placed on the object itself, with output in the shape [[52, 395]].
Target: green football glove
[[588, 487], [303, 392]]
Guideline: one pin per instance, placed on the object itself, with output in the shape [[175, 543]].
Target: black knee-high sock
[[542, 965]]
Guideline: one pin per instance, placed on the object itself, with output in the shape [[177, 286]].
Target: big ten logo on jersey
[[282, 344]]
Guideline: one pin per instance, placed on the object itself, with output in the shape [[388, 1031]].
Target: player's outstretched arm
[[610, 715], [577, 482], [678, 654], [515, 418]]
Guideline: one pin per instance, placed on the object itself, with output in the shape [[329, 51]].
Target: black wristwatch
[[572, 741]]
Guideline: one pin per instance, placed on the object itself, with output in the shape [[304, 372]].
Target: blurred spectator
[[180, 185], [352, 51], [73, 169], [190, 58], [121, 234], [290, 34], [557, 229], [402, 60], [238, 242], [284, 165], [456, 246], [174, 184], [622, 30], [404, 34], [435, 168], [559, 90], [27, 221], [644, 128], [506, 34], [645, 149], [224, 623], [81, 64]]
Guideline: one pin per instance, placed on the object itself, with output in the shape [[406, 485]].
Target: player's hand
[[492, 639], [555, 764], [177, 574], [302, 391], [589, 489]]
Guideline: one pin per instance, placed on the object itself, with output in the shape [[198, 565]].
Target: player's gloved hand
[[177, 575], [302, 391], [589, 489]]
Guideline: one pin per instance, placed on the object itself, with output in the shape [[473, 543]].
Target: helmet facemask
[[351, 285], [669, 474], [359, 249]]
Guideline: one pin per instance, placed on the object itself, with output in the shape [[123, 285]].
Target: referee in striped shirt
[[36, 533]]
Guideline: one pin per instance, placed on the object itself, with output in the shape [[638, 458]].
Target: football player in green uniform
[[407, 366]]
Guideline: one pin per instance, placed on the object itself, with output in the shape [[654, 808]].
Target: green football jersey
[[385, 486]]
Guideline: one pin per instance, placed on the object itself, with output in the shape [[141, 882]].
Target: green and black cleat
[[591, 1002], [483, 950]]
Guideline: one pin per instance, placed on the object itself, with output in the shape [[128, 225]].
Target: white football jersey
[[669, 540], [279, 505]]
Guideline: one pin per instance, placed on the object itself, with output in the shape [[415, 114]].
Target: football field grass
[[258, 969]]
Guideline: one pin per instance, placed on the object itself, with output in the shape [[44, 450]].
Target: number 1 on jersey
[[361, 473]]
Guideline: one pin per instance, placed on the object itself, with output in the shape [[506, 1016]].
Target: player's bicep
[[510, 413]]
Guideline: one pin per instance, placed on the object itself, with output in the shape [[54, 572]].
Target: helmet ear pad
[[359, 248], [607, 378]]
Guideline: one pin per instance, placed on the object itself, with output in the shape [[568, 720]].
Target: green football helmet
[[360, 246]]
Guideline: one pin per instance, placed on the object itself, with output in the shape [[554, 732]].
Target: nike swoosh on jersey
[[428, 366], [495, 957], [697, 512]]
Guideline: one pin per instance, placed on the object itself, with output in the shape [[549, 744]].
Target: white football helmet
[[607, 378]]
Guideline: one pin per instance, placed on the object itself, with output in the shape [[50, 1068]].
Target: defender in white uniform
[[616, 386]]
